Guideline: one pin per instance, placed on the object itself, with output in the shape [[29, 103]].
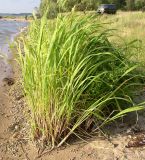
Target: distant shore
[[16, 19]]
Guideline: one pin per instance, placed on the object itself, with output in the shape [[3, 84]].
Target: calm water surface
[[8, 29]]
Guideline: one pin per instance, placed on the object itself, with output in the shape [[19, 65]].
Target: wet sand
[[6, 71]]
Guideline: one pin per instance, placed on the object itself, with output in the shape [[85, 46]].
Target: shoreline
[[8, 53]]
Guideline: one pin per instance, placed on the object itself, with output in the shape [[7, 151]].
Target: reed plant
[[74, 78]]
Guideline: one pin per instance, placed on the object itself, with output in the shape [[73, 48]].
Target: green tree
[[130, 4], [139, 4], [50, 6]]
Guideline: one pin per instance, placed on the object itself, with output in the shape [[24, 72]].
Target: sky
[[18, 6]]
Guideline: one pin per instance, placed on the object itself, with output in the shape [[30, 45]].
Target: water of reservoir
[[8, 30]]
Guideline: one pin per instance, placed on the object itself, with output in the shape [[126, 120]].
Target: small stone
[[16, 135], [6, 116], [129, 136], [116, 145], [74, 158], [128, 131], [16, 128], [9, 81]]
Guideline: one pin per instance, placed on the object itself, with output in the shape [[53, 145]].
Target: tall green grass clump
[[74, 78]]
